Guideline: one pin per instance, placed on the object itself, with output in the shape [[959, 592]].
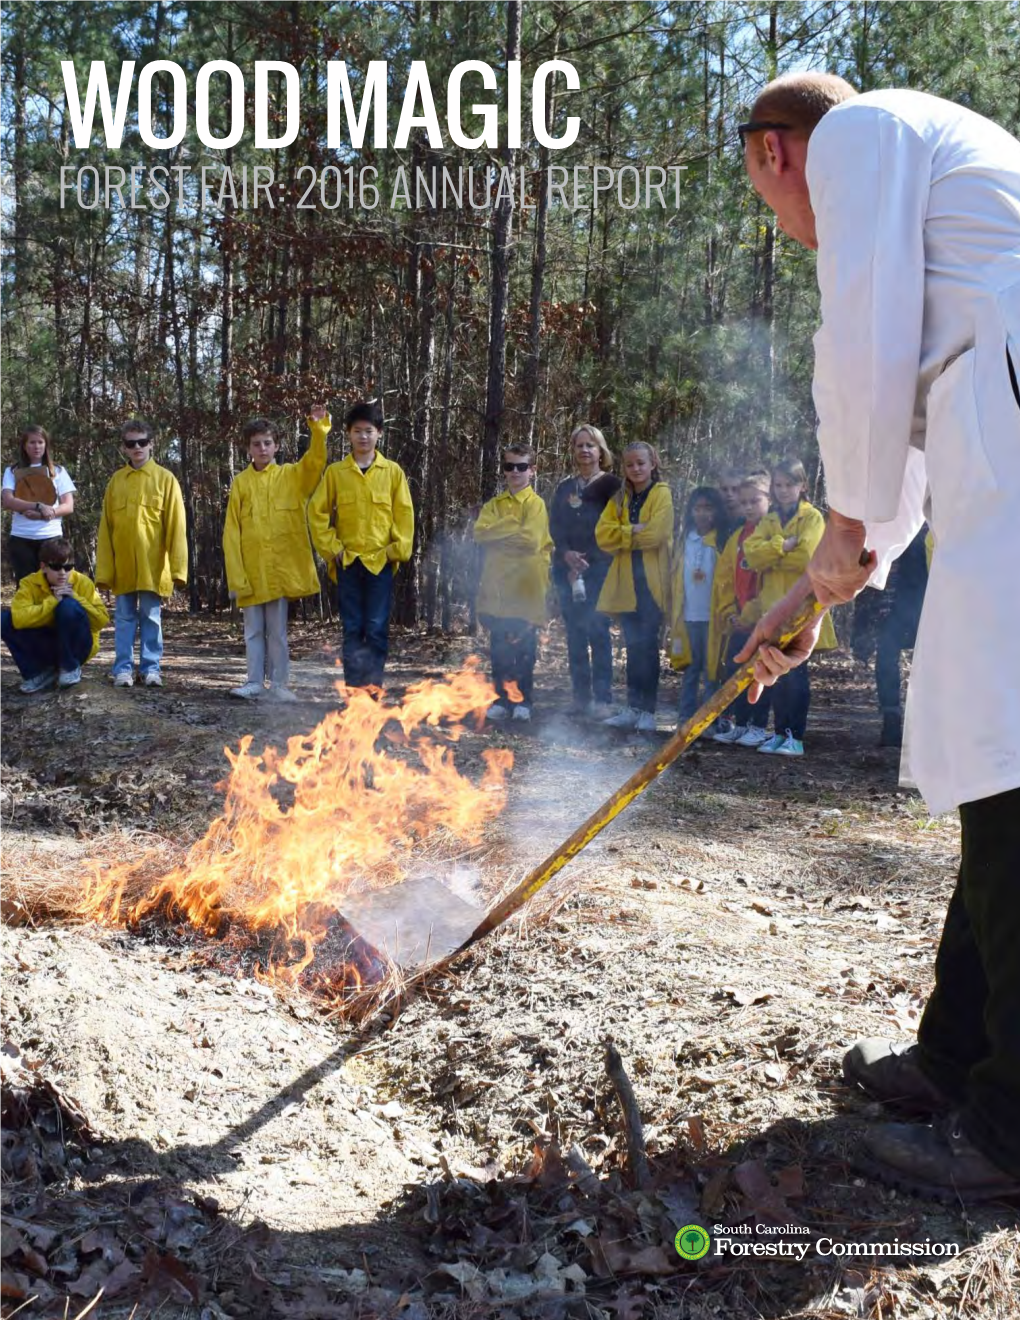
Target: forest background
[[687, 326]]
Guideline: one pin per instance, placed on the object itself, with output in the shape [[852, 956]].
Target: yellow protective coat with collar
[[34, 604], [143, 542], [514, 532], [679, 645], [780, 568], [615, 534], [266, 545], [362, 515]]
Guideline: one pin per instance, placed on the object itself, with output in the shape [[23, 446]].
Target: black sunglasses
[[60, 568], [135, 444], [516, 467], [758, 126]]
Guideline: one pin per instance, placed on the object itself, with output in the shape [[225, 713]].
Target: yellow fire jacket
[[781, 568], [266, 545], [680, 646], [514, 531], [614, 533], [143, 543], [34, 604], [362, 515]]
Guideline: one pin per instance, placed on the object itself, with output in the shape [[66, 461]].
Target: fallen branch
[[637, 1156]]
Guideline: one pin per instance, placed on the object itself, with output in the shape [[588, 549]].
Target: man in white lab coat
[[913, 205]]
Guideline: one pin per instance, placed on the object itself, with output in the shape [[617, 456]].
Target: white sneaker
[[124, 679], [601, 710], [153, 678], [69, 677], [646, 722], [496, 713], [278, 693], [39, 683], [730, 735], [623, 719], [522, 712], [754, 737], [770, 744], [247, 691]]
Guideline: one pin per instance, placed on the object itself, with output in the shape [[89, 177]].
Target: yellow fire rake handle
[[637, 783]]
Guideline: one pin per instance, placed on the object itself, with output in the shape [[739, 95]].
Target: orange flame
[[298, 828], [513, 691]]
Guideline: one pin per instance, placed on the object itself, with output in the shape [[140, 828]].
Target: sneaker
[[770, 744], [601, 710], [522, 712], [728, 732], [279, 693], [124, 679], [153, 678], [623, 719], [496, 713], [646, 722], [579, 709], [247, 691], [788, 746], [68, 677], [753, 737], [40, 682]]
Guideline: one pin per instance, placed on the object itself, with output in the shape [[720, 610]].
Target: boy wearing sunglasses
[[142, 553], [54, 622], [513, 531]]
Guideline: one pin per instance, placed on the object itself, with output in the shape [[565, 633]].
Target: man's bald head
[[800, 100]]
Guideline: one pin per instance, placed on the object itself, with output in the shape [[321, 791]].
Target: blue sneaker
[[770, 744], [40, 682], [789, 746], [69, 677]]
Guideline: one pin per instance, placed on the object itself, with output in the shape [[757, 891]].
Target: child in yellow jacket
[[636, 527], [267, 549], [141, 554], [513, 531], [54, 622], [779, 550], [695, 638], [362, 523]]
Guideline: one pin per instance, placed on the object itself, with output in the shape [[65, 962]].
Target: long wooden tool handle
[[636, 784]]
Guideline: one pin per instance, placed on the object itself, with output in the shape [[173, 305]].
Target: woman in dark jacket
[[580, 567]]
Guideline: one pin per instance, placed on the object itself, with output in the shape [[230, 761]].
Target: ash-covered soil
[[196, 1144]]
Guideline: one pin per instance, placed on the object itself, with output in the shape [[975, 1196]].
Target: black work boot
[[888, 1070], [938, 1161], [892, 729]]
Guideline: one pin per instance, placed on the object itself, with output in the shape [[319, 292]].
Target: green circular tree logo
[[692, 1242]]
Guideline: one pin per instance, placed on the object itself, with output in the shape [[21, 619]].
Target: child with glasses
[[142, 553], [54, 622], [267, 549], [362, 523], [513, 531], [636, 528]]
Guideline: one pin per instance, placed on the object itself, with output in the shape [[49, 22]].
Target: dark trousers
[[791, 698], [887, 665], [365, 600], [741, 711], [589, 646], [641, 633], [64, 644], [969, 1034], [23, 555], [513, 650]]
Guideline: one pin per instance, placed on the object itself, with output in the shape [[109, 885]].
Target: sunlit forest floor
[[183, 1140]]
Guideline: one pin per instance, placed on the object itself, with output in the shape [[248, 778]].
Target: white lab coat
[[917, 206]]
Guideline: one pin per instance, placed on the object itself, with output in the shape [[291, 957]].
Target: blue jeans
[[696, 672], [136, 613], [365, 600], [641, 633], [791, 698], [742, 712], [64, 644], [589, 647]]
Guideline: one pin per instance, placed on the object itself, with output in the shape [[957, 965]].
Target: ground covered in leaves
[[182, 1140]]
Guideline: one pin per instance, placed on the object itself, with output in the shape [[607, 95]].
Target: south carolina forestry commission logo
[[692, 1242]]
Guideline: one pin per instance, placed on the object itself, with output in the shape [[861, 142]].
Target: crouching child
[[53, 625]]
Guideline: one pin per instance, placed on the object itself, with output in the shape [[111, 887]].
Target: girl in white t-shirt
[[38, 494]]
